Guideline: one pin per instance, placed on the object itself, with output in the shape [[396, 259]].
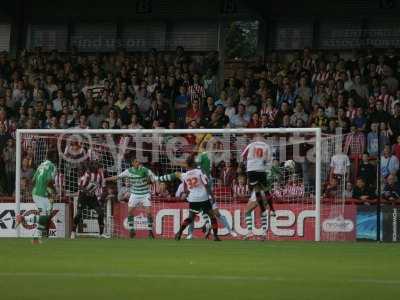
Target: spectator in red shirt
[[254, 121], [396, 148], [194, 113]]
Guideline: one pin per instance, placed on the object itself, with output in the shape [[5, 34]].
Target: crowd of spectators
[[358, 93]]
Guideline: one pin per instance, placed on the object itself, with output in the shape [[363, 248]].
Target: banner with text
[[293, 221], [58, 227]]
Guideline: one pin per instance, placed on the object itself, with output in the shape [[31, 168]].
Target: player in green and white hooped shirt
[[139, 179], [43, 189], [203, 162]]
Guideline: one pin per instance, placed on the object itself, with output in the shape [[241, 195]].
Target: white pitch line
[[196, 277]]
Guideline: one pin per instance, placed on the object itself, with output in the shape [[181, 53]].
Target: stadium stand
[[358, 94]]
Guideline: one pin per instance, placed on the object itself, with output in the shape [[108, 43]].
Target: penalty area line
[[196, 277]]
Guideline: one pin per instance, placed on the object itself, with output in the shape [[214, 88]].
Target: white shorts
[[253, 197], [42, 203], [135, 201]]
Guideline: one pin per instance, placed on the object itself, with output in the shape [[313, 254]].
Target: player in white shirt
[[258, 156], [195, 182]]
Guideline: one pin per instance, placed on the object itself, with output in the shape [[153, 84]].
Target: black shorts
[[204, 206], [88, 201], [257, 178]]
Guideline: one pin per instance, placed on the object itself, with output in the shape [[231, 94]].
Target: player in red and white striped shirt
[[91, 186]]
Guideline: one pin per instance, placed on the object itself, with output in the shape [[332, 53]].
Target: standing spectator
[[227, 173], [304, 92], [58, 101], [340, 165], [113, 120], [360, 88], [181, 103], [360, 121], [143, 103], [231, 90], [379, 115], [396, 148], [4, 136], [95, 118], [194, 113], [394, 122], [299, 114], [240, 188], [354, 145], [208, 109], [210, 83], [196, 90], [254, 121], [241, 119], [9, 166], [372, 141]]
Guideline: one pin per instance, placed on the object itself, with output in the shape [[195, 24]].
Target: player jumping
[[259, 156], [43, 189], [140, 178], [91, 185], [196, 183], [203, 162]]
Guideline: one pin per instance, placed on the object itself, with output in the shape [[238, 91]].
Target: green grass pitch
[[144, 269]]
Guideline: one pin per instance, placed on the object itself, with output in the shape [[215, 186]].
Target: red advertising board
[[294, 221]]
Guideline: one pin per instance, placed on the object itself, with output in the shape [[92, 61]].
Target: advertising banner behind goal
[[293, 222], [59, 226]]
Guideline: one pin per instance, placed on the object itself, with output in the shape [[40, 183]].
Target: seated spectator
[[361, 191], [367, 171], [389, 163], [331, 189], [348, 192], [391, 190]]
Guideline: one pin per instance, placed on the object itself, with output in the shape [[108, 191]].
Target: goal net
[[301, 209]]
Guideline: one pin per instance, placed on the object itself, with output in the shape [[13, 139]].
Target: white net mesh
[[293, 190]]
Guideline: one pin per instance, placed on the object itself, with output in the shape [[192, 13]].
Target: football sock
[[249, 222], [149, 223], [131, 223], [224, 222], [264, 220], [214, 225]]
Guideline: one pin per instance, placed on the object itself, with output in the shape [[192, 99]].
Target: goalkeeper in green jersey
[[43, 189], [140, 179], [204, 164]]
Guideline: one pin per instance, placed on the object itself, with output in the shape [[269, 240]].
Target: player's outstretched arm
[[168, 177], [112, 178]]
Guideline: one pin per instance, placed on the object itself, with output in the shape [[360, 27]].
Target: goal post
[[112, 153]]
